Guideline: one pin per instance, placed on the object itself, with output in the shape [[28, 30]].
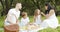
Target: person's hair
[[35, 13], [49, 8], [24, 14], [17, 4]]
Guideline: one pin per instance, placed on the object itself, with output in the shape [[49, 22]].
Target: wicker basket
[[11, 28]]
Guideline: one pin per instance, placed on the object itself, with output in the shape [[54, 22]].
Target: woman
[[51, 19]]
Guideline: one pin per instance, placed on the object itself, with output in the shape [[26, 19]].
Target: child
[[37, 17], [24, 21], [37, 22]]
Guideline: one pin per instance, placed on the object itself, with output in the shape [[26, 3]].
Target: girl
[[34, 27], [24, 21], [37, 17]]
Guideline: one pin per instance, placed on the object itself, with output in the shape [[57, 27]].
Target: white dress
[[51, 22], [38, 20], [11, 16], [23, 23]]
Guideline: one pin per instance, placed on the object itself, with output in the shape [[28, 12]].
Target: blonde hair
[[35, 13], [24, 14]]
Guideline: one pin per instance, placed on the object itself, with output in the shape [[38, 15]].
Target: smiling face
[[37, 12], [19, 5], [46, 7]]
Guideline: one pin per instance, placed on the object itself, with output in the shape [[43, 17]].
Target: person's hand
[[47, 16], [17, 21], [42, 13]]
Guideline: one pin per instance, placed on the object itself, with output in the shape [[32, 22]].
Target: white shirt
[[38, 19], [24, 21], [12, 17]]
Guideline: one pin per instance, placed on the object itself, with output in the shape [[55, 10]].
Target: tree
[[28, 5], [6, 4]]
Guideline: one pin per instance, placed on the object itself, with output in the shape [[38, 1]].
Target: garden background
[[28, 6]]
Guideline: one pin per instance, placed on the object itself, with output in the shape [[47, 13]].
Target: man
[[13, 15]]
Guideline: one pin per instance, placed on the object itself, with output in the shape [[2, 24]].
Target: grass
[[2, 21], [31, 20], [1, 31], [58, 18]]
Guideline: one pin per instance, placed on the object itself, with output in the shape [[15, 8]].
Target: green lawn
[[1, 31], [31, 20]]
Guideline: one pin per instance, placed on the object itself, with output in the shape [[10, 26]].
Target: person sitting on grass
[[24, 21], [33, 27], [51, 19], [37, 17]]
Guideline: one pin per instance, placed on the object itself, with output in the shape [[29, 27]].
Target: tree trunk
[[6, 6]]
